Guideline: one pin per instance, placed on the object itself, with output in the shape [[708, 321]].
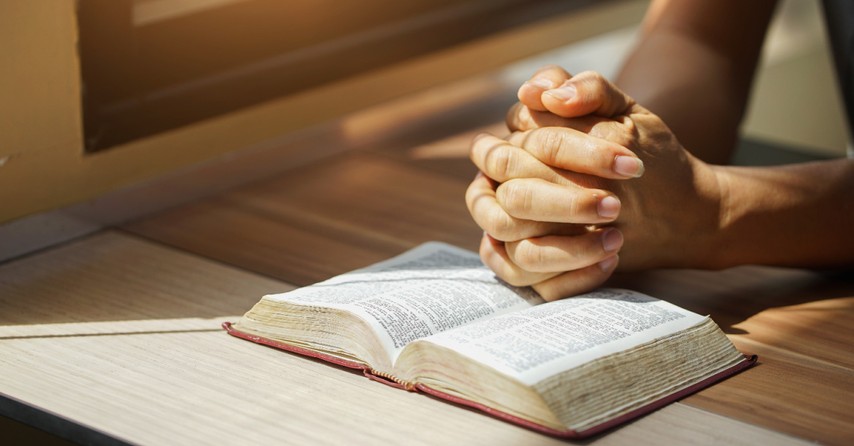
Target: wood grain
[[112, 277], [787, 392], [159, 376], [119, 332], [202, 387], [800, 323], [322, 220]]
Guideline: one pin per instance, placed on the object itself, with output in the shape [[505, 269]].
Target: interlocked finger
[[494, 255], [564, 253], [546, 78], [502, 161], [575, 151], [543, 201], [492, 218], [577, 281], [586, 93]]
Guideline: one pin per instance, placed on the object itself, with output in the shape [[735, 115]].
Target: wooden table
[[114, 338]]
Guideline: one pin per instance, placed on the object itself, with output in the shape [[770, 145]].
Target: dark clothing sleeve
[[839, 16]]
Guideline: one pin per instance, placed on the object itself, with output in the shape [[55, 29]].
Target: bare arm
[[693, 66], [673, 210], [798, 215]]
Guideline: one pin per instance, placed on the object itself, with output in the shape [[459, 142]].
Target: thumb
[[587, 93], [546, 78]]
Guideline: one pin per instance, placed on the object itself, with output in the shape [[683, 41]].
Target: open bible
[[435, 320]]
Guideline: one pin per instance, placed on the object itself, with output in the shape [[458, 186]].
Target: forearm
[[686, 85], [799, 215], [694, 65]]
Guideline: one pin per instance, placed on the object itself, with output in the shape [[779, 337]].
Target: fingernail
[[612, 240], [541, 82], [628, 166], [565, 93], [609, 207], [608, 264]]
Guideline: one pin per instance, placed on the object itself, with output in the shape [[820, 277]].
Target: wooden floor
[[115, 337]]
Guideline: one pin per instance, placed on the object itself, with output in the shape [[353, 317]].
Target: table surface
[[115, 337]]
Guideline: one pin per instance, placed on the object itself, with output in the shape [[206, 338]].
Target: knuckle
[[499, 162], [503, 268], [553, 69], [598, 78], [574, 206], [630, 130], [515, 197], [477, 197], [592, 78], [472, 194], [623, 138], [519, 118], [500, 225], [548, 144], [528, 256], [478, 146], [514, 278], [615, 132]]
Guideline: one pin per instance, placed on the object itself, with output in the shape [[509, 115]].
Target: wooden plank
[[447, 155], [787, 392], [799, 322], [100, 332], [805, 312], [200, 387], [416, 130], [114, 277], [372, 195], [821, 329], [679, 424], [296, 250], [321, 220]]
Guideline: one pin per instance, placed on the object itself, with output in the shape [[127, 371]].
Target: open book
[[435, 320]]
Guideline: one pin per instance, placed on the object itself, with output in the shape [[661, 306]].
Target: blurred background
[[99, 96], [152, 65], [292, 140]]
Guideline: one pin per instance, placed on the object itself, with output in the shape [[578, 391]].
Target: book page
[[427, 290], [536, 343]]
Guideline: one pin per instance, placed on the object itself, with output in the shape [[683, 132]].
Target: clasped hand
[[588, 183]]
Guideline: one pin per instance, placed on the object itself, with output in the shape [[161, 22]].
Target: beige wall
[[39, 85]]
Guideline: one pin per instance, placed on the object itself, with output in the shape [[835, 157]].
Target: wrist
[[722, 248], [789, 215], [710, 246]]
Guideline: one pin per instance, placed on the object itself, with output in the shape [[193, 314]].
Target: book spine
[[389, 380], [374, 375], [504, 416], [229, 328]]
